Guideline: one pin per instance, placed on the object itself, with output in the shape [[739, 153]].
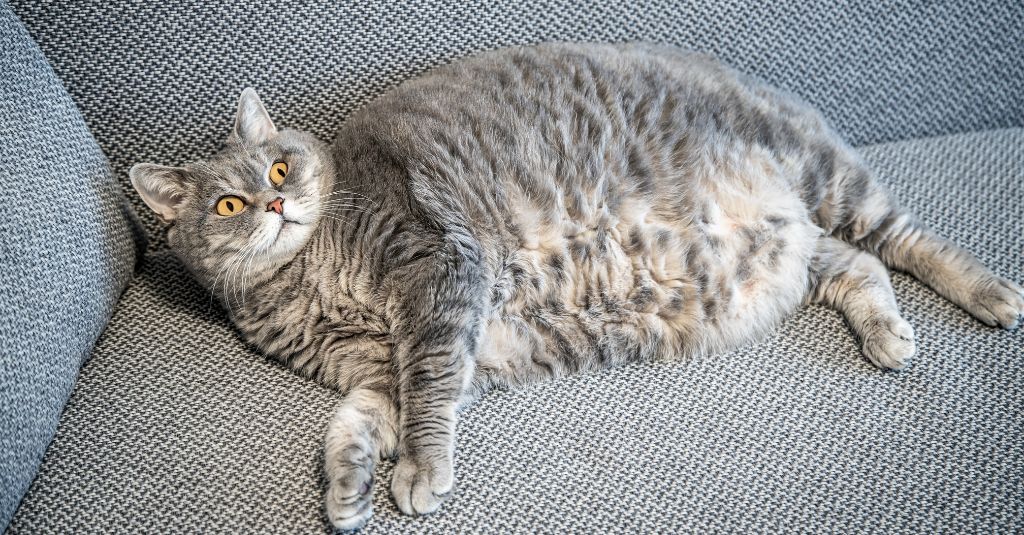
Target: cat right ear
[[161, 187], [252, 122]]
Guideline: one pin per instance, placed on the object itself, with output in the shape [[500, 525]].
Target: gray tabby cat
[[534, 212]]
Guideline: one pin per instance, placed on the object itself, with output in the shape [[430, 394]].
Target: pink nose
[[276, 205]]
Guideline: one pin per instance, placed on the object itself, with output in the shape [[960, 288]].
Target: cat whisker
[[346, 199], [246, 272], [347, 192], [342, 192], [368, 204], [225, 272], [232, 279], [238, 273], [335, 217], [213, 287], [345, 202], [341, 201], [344, 208], [342, 213]]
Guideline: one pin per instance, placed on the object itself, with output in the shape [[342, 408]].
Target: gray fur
[[538, 211]]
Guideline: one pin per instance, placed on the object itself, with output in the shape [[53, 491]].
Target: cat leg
[[435, 310], [850, 204], [857, 284], [877, 224], [363, 429]]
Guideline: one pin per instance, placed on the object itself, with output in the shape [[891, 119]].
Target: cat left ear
[[252, 122], [161, 188]]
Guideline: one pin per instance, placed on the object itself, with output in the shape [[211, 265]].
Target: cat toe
[[999, 302], [420, 488], [351, 518], [349, 497], [891, 344], [349, 512]]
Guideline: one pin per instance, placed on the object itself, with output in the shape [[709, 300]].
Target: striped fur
[[534, 212]]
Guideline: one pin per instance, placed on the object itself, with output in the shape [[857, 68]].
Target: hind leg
[[878, 225], [857, 284], [848, 203]]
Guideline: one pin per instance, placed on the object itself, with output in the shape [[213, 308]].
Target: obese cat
[[533, 212]]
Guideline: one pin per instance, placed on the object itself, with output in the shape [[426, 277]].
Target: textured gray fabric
[[158, 82], [175, 426], [67, 248]]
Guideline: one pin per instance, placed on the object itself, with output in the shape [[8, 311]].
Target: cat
[[532, 212]]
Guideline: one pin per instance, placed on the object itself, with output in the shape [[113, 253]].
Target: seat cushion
[[68, 243], [177, 426], [160, 83]]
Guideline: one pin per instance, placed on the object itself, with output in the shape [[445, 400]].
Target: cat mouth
[[285, 223]]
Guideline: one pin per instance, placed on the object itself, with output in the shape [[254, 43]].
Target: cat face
[[251, 207]]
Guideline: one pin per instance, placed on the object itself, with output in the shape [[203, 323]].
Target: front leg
[[436, 310], [362, 430]]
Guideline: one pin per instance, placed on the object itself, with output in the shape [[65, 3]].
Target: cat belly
[[634, 285]]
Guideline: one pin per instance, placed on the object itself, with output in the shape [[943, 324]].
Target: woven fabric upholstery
[[175, 426], [67, 247], [157, 81]]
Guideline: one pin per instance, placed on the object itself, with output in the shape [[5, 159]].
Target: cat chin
[[290, 238]]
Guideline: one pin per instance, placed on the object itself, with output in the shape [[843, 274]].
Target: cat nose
[[276, 205]]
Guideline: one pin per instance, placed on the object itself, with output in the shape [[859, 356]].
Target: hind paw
[[890, 344], [998, 301]]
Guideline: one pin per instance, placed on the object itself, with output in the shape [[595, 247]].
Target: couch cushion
[[176, 426], [159, 82], [67, 247]]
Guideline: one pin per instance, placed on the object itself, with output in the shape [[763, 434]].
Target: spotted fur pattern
[[534, 212]]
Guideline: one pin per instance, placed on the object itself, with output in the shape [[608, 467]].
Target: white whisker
[[346, 192]]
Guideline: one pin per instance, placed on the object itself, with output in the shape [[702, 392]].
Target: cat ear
[[161, 187], [252, 122]]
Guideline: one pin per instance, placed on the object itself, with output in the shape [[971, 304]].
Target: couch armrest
[[68, 245]]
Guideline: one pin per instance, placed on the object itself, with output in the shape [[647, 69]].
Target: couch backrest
[[158, 80]]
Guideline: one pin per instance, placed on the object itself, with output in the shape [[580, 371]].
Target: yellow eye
[[277, 173], [230, 205]]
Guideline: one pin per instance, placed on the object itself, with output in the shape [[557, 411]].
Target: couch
[[131, 406]]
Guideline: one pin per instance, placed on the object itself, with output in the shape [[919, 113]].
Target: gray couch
[[131, 405]]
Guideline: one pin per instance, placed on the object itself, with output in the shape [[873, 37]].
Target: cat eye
[[230, 205], [277, 173]]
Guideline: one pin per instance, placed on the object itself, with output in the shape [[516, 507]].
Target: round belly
[[757, 275], [644, 287]]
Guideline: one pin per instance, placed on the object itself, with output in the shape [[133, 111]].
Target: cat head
[[252, 206]]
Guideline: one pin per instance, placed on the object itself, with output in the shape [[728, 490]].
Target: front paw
[[889, 344], [420, 485], [997, 301], [349, 495]]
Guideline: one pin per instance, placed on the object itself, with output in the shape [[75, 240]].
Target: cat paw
[[420, 486], [349, 498], [890, 343], [997, 301]]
